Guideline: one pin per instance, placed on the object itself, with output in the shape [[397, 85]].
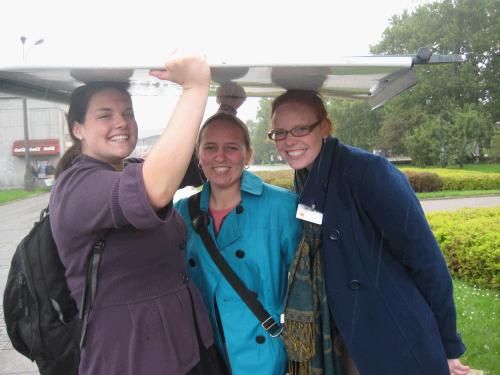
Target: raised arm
[[167, 162]]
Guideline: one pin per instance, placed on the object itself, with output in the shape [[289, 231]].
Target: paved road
[[452, 204], [17, 218]]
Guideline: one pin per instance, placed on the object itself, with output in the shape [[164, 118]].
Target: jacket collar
[[230, 232], [250, 184], [314, 192], [83, 158]]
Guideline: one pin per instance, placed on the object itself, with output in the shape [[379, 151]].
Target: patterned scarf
[[312, 343]]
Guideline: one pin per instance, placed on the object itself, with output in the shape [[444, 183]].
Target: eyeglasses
[[299, 131]]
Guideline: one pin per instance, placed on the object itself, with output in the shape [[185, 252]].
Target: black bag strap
[[200, 220], [90, 288]]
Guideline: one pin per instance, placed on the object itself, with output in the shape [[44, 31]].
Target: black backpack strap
[[200, 220], [90, 288], [44, 213]]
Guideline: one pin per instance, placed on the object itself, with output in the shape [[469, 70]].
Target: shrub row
[[470, 241], [283, 178], [476, 181], [454, 179], [421, 181], [424, 181]]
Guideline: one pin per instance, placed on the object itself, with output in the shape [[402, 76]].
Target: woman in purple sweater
[[147, 317]]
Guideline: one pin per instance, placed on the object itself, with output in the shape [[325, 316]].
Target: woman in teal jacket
[[254, 227]]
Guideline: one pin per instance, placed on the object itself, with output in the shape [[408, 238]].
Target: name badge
[[307, 213]]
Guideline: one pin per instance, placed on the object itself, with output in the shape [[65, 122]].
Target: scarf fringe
[[299, 339], [299, 368]]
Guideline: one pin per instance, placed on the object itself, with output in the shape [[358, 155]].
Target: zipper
[[22, 302]]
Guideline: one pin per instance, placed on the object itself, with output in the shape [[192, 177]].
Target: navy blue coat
[[388, 286]]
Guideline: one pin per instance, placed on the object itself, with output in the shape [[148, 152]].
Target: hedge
[[477, 181], [424, 181], [454, 179], [451, 179], [470, 241], [283, 178]]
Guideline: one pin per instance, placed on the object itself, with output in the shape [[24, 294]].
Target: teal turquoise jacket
[[258, 239]]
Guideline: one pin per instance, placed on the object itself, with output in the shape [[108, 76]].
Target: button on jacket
[[387, 282], [258, 239]]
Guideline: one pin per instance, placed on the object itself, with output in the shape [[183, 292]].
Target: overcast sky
[[225, 30]]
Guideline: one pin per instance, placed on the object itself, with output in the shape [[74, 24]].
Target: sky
[[223, 30]]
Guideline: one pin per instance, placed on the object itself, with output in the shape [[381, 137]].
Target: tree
[[453, 96], [468, 134], [494, 150], [264, 149], [397, 122], [355, 124], [423, 144], [468, 27]]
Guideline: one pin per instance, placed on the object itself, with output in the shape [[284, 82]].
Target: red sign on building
[[38, 147]]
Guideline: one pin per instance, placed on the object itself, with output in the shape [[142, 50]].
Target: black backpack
[[41, 316]]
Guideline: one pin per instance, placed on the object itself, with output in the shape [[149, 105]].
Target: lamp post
[[28, 177], [23, 42]]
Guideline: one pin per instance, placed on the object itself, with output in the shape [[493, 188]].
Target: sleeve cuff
[[131, 201]]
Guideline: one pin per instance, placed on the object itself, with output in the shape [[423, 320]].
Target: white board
[[374, 78]]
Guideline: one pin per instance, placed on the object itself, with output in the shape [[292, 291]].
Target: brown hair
[[307, 97], [230, 96], [225, 116], [78, 106]]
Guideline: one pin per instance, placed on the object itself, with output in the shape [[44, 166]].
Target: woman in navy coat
[[389, 294]]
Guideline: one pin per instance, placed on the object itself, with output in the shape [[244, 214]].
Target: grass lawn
[[477, 318], [485, 168], [14, 194]]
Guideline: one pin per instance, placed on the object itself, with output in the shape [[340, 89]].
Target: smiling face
[[299, 152], [223, 154], [109, 131]]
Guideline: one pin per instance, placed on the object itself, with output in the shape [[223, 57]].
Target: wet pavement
[[16, 219]]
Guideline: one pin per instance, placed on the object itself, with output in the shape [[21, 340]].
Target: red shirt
[[218, 216]]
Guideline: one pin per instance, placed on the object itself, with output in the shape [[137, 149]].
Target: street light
[[23, 42], [28, 177]]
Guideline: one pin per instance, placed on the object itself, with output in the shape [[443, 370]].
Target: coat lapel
[[314, 192], [230, 230]]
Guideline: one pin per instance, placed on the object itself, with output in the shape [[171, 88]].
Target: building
[[47, 134]]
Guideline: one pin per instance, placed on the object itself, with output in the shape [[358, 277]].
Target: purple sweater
[[142, 321]]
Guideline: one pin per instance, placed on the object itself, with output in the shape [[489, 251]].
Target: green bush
[[462, 179], [284, 183], [283, 178], [452, 179], [424, 181], [470, 241], [472, 182]]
